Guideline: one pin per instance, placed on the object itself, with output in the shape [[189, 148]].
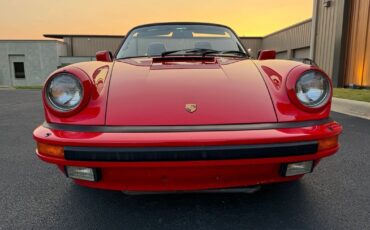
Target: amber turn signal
[[328, 143], [50, 150]]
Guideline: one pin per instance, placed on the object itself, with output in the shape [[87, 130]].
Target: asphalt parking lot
[[35, 195]]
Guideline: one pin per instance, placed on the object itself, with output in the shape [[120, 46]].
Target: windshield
[[156, 40]]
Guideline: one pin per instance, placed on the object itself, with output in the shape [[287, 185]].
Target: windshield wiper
[[203, 52], [237, 52], [206, 52], [171, 52]]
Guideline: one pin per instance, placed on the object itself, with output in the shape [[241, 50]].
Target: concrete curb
[[350, 107], [6, 88]]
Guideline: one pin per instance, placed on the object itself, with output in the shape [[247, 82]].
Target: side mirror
[[266, 54], [105, 56], [250, 52]]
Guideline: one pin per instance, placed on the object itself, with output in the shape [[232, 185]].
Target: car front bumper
[[186, 160]]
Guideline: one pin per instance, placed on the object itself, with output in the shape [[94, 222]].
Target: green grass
[[29, 87], [353, 94]]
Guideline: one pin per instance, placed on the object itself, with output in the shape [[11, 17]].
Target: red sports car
[[183, 107]]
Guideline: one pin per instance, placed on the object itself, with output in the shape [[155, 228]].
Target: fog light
[[297, 168], [82, 173]]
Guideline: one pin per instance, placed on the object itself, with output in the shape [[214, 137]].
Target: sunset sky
[[30, 19]]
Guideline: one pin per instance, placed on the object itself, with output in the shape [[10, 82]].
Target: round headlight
[[313, 89], [64, 92]]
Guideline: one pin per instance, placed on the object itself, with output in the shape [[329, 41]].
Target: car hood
[[187, 92]]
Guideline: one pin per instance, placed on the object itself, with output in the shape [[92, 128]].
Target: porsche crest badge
[[191, 108]]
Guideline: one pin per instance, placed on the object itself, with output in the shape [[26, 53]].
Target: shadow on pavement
[[267, 208]]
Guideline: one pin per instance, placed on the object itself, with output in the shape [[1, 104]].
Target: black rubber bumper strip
[[140, 154], [183, 128]]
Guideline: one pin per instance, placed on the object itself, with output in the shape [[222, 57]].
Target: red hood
[[225, 92]]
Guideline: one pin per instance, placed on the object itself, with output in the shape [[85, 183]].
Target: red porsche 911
[[183, 107]]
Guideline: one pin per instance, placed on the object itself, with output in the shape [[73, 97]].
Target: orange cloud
[[29, 19]]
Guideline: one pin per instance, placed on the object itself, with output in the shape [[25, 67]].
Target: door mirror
[[250, 52], [266, 54], [105, 56]]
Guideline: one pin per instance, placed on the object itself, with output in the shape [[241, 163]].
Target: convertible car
[[184, 107]]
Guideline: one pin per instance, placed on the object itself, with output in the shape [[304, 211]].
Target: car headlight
[[64, 92], [313, 89]]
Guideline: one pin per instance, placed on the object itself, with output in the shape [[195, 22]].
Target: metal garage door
[[301, 53], [282, 55]]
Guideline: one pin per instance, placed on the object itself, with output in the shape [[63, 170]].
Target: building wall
[[282, 55], [325, 35], [43, 57], [330, 20], [67, 60], [300, 53], [283, 41], [253, 43], [358, 45], [340, 45], [87, 46], [40, 58], [68, 42], [286, 41], [289, 43]]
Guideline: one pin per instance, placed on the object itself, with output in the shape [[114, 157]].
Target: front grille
[[189, 153]]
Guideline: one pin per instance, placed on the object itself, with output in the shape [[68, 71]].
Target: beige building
[[28, 62], [341, 42], [87, 45], [337, 39], [290, 43]]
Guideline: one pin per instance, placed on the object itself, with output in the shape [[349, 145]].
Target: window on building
[[19, 70]]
